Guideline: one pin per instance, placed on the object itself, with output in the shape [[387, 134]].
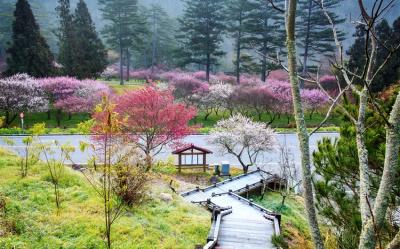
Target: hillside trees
[[6, 10], [91, 56], [65, 34], [200, 34], [162, 29], [237, 15], [389, 37], [314, 31], [264, 33], [29, 52], [81, 52], [124, 28]]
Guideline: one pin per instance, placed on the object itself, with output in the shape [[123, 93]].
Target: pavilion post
[[204, 162]]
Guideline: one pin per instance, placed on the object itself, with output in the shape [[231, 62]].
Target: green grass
[[294, 224], [33, 118], [33, 221], [279, 122]]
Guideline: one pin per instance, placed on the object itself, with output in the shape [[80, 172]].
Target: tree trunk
[[48, 115], [121, 53], [128, 65], [154, 43], [363, 156], [368, 238], [301, 127], [58, 117], [238, 49], [306, 42], [208, 67], [264, 64]]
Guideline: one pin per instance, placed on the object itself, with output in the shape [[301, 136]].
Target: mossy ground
[[294, 224], [32, 220]]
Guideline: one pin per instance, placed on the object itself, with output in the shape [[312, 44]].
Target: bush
[[131, 183]]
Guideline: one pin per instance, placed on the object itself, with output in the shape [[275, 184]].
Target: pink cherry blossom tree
[[21, 93], [154, 119]]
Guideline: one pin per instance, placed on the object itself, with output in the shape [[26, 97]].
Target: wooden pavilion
[[192, 157]]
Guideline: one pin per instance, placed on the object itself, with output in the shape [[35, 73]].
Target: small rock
[[166, 197]]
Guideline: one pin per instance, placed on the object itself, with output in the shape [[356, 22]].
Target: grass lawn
[[279, 122], [128, 85], [32, 221], [294, 224]]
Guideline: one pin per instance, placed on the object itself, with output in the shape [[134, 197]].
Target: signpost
[[21, 115]]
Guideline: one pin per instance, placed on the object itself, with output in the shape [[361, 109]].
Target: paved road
[[268, 160]]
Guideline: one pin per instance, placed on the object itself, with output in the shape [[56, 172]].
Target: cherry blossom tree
[[154, 119], [220, 96], [243, 138], [185, 85], [73, 96], [313, 100], [21, 93]]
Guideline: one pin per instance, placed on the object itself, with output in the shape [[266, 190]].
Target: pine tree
[[162, 28], [29, 52], [90, 57], [65, 37], [337, 176], [265, 33], [124, 27], [238, 14], [315, 32], [388, 38], [6, 10], [201, 32]]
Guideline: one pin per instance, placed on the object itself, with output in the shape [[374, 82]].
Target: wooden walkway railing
[[246, 223]]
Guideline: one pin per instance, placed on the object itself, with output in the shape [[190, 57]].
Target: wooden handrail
[[211, 244]]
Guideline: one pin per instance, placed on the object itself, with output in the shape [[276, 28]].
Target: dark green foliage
[[388, 38], [265, 33], [201, 32], [29, 52], [160, 40], [124, 29], [6, 9], [337, 180], [314, 30], [238, 13], [90, 56], [66, 37]]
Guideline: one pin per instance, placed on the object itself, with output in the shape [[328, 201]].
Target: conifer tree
[[201, 32], [90, 57], [161, 28], [238, 14], [124, 27], [315, 32], [389, 38], [29, 52], [65, 37], [6, 10], [265, 33]]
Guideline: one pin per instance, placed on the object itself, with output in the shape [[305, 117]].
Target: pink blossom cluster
[[72, 95]]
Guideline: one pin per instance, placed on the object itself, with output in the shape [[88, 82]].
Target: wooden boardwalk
[[247, 225]]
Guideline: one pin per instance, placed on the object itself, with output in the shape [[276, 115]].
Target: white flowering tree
[[20, 93], [243, 138]]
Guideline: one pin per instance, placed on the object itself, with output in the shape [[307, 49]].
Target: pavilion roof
[[192, 147]]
